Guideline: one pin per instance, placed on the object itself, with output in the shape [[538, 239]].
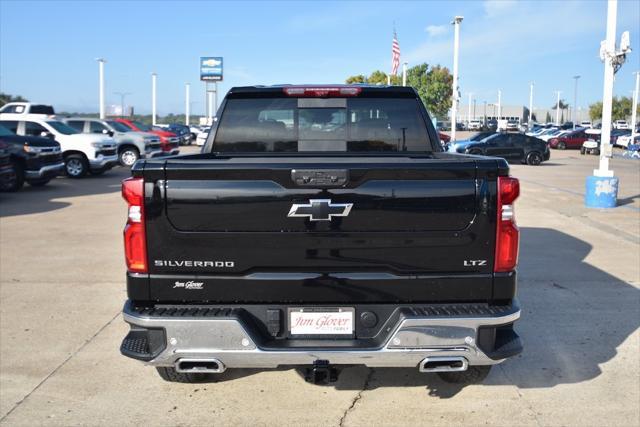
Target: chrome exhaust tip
[[200, 366], [444, 364]]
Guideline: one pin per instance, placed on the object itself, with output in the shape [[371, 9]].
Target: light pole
[[469, 113], [474, 108], [122, 95], [634, 108], [529, 123], [101, 62], [484, 122], [153, 98], [456, 45], [558, 107], [575, 100], [404, 74], [187, 104], [602, 187], [499, 104]]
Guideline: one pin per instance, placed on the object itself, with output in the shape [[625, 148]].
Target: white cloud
[[436, 30], [494, 8]]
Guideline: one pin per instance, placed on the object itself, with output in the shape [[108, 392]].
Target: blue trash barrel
[[602, 192]]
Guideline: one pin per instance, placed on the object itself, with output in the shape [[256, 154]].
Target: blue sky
[[48, 49]]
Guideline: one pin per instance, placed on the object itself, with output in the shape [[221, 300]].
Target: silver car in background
[[132, 145]]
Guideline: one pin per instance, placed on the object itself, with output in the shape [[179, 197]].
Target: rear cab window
[[324, 125]]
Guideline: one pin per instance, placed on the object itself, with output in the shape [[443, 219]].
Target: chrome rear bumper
[[230, 343]]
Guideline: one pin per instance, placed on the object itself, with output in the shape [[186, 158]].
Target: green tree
[[433, 85], [621, 108], [6, 98], [595, 111], [562, 104], [360, 78]]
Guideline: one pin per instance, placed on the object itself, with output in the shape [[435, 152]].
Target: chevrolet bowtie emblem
[[320, 210]]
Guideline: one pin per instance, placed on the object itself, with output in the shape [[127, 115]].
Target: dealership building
[[515, 112]]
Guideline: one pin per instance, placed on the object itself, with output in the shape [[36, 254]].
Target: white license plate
[[337, 321]]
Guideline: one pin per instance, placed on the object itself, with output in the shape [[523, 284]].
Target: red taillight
[[135, 242], [507, 233], [322, 91]]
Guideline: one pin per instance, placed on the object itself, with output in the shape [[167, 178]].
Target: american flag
[[395, 55]]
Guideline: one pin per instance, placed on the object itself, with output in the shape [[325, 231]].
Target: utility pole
[[635, 107], [529, 123], [122, 95], [499, 104], [474, 108], [210, 108], [456, 45], [484, 122], [469, 113], [153, 98], [404, 74], [101, 62], [602, 187], [187, 104], [575, 101], [558, 107]]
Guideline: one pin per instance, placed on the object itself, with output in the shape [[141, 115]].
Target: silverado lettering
[[185, 263], [355, 240]]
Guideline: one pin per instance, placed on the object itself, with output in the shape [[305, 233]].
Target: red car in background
[[573, 139], [444, 138], [169, 141]]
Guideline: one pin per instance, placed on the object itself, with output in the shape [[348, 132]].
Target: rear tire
[[534, 158], [76, 165], [562, 145], [173, 376], [583, 150], [473, 375], [475, 152], [18, 182]]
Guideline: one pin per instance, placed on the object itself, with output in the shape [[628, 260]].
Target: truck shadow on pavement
[[31, 200], [574, 317]]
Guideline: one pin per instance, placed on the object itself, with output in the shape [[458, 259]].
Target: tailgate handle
[[320, 177]]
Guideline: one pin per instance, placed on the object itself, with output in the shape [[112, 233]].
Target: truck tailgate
[[417, 229]]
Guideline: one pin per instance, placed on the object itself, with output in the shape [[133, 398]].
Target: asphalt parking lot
[[62, 288]]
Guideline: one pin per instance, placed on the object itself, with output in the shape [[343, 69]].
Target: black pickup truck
[[33, 159], [321, 227]]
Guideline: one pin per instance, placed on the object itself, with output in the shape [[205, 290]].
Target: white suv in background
[[82, 153], [132, 145], [27, 108], [620, 124], [475, 125]]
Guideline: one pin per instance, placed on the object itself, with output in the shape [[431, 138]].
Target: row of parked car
[[533, 147], [512, 146], [41, 145], [585, 139]]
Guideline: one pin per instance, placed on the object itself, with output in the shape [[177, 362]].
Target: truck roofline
[[366, 90]]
